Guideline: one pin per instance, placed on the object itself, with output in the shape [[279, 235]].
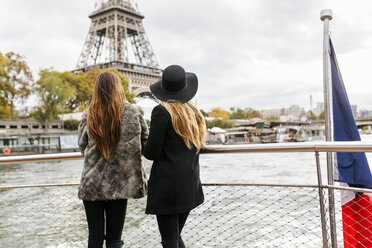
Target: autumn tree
[[3, 62], [321, 115], [254, 114], [5, 111], [4, 108], [311, 116], [16, 83], [272, 118], [219, 113]]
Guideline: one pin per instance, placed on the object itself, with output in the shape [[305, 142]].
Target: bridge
[[365, 122]]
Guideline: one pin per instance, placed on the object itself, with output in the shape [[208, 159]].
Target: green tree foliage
[[245, 114], [59, 92], [54, 94], [219, 123], [63, 92], [16, 81], [82, 90], [84, 84], [205, 114], [71, 124], [239, 113]]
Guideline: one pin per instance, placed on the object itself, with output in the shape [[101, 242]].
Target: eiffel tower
[[116, 30]]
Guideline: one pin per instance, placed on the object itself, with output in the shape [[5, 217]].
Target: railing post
[[321, 201], [326, 16]]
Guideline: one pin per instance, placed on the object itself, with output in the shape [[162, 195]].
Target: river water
[[54, 217]]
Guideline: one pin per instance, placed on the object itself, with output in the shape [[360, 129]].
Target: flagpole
[[326, 16]]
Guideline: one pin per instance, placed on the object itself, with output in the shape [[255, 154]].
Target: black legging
[[115, 216], [170, 227]]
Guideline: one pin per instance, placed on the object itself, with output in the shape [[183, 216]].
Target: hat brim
[[184, 95]]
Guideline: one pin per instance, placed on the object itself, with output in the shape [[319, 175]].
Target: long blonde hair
[[188, 122], [104, 112]]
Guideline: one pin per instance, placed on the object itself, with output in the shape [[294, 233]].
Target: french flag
[[351, 168]]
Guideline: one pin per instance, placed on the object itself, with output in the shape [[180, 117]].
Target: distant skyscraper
[[354, 109], [319, 108], [363, 113]]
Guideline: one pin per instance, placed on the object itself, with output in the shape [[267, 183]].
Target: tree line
[[224, 118], [56, 92], [67, 92]]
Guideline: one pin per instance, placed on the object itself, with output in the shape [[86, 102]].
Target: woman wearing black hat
[[177, 133]]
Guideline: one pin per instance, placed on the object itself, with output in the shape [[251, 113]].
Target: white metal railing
[[369, 191], [335, 146], [316, 147]]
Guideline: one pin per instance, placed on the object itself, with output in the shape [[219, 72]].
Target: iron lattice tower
[[116, 30]]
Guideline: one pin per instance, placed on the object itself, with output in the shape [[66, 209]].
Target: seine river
[[54, 217]]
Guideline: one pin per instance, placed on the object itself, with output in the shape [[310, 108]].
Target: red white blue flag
[[351, 167]]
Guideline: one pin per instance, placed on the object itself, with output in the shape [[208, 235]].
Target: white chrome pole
[[326, 16]]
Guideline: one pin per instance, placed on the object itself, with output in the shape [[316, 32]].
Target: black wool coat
[[174, 186]]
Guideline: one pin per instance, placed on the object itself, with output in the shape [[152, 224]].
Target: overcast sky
[[246, 53]]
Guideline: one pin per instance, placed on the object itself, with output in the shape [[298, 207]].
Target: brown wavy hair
[[104, 112], [188, 122]]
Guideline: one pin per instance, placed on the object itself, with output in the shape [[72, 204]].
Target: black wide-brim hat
[[175, 84]]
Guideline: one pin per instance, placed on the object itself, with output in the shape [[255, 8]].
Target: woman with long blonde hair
[[111, 134], [177, 133]]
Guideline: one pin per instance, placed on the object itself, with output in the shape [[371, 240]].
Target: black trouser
[[115, 216], [170, 227]]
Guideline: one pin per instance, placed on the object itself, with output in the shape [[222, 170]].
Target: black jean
[[114, 211], [170, 227]]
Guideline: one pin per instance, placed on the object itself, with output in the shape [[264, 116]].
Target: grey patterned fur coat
[[122, 176]]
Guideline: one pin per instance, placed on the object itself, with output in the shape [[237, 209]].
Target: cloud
[[257, 53]]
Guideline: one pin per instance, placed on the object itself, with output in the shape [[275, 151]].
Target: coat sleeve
[[160, 121], [144, 131], [83, 134]]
